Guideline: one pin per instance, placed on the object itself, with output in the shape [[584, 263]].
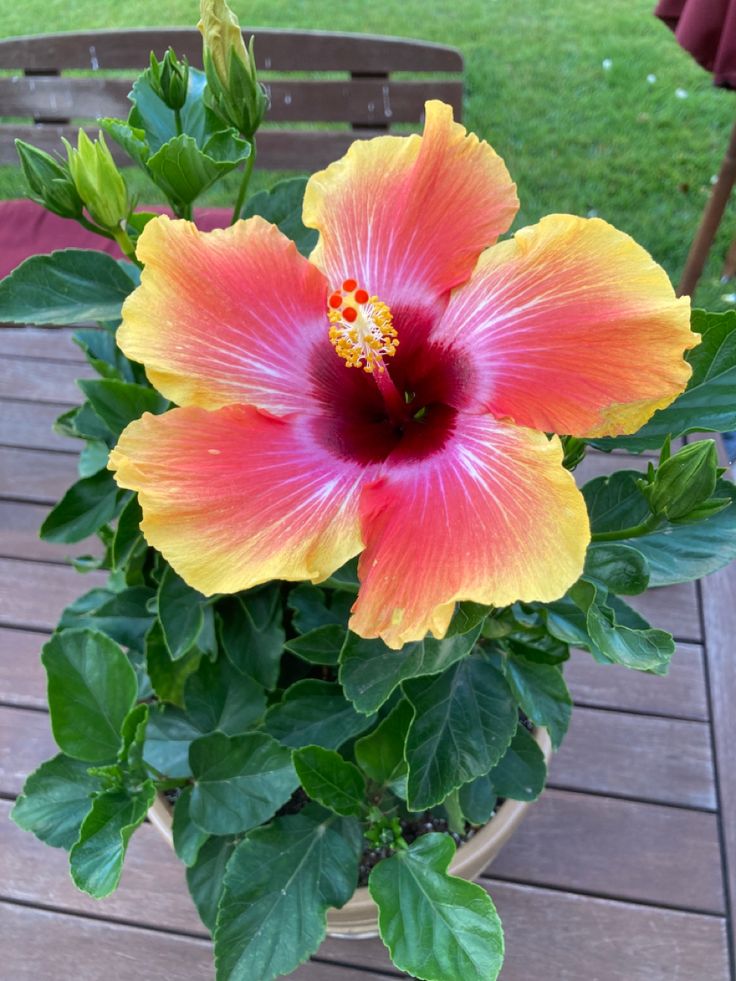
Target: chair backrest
[[39, 102]]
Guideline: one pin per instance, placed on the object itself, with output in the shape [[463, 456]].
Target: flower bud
[[684, 482], [233, 90], [98, 181], [169, 79], [49, 182]]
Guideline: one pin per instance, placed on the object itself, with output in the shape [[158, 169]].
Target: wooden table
[[625, 870]]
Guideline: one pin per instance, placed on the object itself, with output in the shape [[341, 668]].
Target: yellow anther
[[361, 328]]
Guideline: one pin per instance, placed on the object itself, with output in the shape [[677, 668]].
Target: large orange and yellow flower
[[391, 396]]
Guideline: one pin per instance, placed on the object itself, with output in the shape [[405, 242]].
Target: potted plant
[[346, 556]]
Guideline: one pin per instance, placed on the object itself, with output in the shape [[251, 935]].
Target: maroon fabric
[[27, 229], [707, 30]]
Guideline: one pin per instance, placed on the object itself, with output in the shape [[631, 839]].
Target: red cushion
[[28, 229]]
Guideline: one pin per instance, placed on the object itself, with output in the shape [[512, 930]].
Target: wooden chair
[[40, 102]]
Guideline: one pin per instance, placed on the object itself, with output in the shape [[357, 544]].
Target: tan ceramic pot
[[359, 916]]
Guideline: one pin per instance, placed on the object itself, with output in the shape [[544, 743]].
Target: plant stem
[[126, 246], [635, 531], [94, 228], [177, 122], [247, 171]]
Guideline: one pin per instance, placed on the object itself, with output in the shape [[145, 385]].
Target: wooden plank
[[22, 677], [25, 742], [42, 381], [680, 695], [286, 51], [19, 525], [361, 100], [298, 150], [30, 424], [558, 936], [719, 615], [33, 594], [671, 608], [36, 943], [48, 343], [605, 933], [36, 475], [668, 761], [647, 853]]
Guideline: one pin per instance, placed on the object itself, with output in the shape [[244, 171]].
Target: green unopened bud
[[684, 482], [169, 79], [233, 89], [704, 511], [49, 182], [98, 181]]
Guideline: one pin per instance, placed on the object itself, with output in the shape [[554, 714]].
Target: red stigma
[[350, 314], [335, 301], [349, 285], [361, 296]]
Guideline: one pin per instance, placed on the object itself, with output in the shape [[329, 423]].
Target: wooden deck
[[625, 870]]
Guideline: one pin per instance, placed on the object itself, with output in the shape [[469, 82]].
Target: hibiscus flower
[[393, 395]]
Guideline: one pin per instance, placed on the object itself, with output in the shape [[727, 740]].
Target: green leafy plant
[[300, 761]]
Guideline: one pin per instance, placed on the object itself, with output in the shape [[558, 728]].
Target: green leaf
[[541, 691], [466, 617], [188, 838], [218, 697], [330, 780], [96, 860], [205, 877], [133, 733], [320, 646], [279, 884], [91, 689], [380, 754], [56, 799], [521, 772], [181, 613], [708, 403], [282, 206], [66, 287], [643, 650], [478, 800], [103, 353], [370, 671], [464, 720], [436, 926], [183, 171], [122, 616], [128, 533], [620, 568], [311, 611], [87, 505], [168, 677], [252, 636], [93, 458], [241, 781], [119, 403], [315, 712], [169, 735]]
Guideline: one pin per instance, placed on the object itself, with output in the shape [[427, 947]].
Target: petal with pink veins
[[491, 517], [227, 316], [234, 498], [571, 328]]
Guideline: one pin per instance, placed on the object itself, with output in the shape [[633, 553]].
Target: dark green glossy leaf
[[541, 691], [56, 799], [521, 771], [315, 712], [188, 838], [477, 800], [241, 781], [370, 671], [91, 689], [66, 287], [168, 677], [122, 616], [86, 506], [119, 403], [252, 636], [96, 860], [205, 877], [380, 754], [128, 533], [169, 735], [464, 720], [311, 609], [320, 646], [436, 926], [330, 780], [278, 886], [93, 458], [620, 568], [183, 171], [180, 611], [218, 697]]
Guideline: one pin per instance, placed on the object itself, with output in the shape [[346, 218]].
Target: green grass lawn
[[578, 136]]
